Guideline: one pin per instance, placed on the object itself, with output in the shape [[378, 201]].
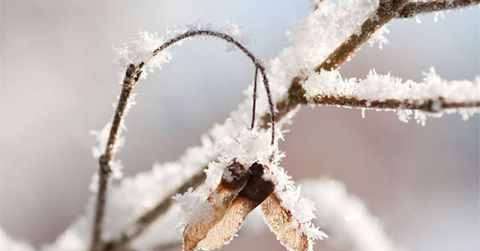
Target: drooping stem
[[259, 66], [131, 78]]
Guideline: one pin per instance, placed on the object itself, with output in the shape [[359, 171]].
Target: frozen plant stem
[[131, 78], [132, 75], [388, 10]]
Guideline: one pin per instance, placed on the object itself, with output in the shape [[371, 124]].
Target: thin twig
[[431, 105], [415, 8], [254, 106], [145, 220], [131, 77], [427, 105], [387, 10]]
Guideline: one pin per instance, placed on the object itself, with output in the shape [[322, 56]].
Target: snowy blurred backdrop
[[58, 81]]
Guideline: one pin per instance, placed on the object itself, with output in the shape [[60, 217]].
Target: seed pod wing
[[283, 225], [234, 179], [255, 192]]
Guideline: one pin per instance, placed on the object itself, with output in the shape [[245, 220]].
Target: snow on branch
[[421, 7], [345, 218], [7, 243], [433, 95], [379, 13]]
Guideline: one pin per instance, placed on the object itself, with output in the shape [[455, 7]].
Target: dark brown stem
[[142, 223], [254, 106], [131, 77], [426, 105], [387, 10], [415, 8]]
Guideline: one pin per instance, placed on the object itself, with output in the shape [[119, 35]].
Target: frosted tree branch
[[387, 11], [421, 7], [142, 223], [385, 92]]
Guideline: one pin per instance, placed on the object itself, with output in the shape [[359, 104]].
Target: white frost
[[9, 244], [291, 198], [348, 222], [377, 87], [140, 48], [318, 35]]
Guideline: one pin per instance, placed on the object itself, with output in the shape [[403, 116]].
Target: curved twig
[[259, 66], [131, 78]]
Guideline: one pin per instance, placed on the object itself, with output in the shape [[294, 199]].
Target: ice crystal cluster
[[377, 87]]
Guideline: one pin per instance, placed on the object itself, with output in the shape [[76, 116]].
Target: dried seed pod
[[234, 179], [255, 192], [283, 225]]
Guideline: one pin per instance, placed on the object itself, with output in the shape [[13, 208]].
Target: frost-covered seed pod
[[255, 192], [233, 180]]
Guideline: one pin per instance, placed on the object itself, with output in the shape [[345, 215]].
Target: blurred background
[[58, 81]]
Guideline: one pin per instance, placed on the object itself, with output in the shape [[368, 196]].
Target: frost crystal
[[301, 208], [380, 37], [248, 147], [140, 49], [102, 140], [234, 31]]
